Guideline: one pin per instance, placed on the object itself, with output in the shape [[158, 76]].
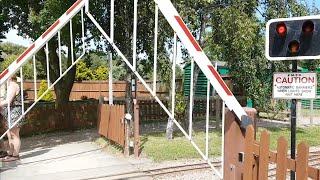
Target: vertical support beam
[[136, 129], [191, 99], [311, 112], [155, 53], [222, 132], [48, 61], [21, 90], [174, 59], [110, 54], [293, 123], [127, 134], [135, 19], [207, 120], [71, 41], [9, 117], [59, 44], [83, 37], [35, 77], [87, 6]]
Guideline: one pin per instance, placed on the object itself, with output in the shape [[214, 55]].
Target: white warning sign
[[294, 85]]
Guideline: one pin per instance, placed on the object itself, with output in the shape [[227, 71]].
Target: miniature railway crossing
[[314, 160]]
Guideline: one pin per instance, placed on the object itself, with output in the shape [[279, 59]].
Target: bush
[[43, 87]]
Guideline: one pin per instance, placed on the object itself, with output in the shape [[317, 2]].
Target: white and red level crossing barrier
[[172, 16], [42, 40]]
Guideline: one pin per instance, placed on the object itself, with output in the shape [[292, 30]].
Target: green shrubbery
[[43, 87]]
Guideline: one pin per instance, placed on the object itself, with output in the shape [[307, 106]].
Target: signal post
[[293, 39]]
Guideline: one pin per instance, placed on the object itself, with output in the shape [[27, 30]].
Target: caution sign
[[294, 85]]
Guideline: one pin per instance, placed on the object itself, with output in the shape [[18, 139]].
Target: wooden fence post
[[264, 155], [302, 161], [282, 151], [234, 145]]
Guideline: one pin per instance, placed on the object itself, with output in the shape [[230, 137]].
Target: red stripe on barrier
[[73, 6], [25, 53], [4, 73], [220, 80], [50, 28], [188, 33]]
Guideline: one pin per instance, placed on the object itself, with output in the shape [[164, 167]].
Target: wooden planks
[[282, 150], [302, 161], [111, 123], [263, 156], [248, 158]]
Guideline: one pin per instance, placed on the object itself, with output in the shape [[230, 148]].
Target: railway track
[[314, 160]]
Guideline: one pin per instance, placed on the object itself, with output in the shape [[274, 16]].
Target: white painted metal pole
[[222, 144], [47, 58], [59, 43], [135, 19], [9, 117], [191, 99], [21, 90], [83, 37], [174, 59], [149, 90], [71, 41], [155, 55], [35, 77], [216, 67], [311, 112], [207, 119], [110, 54]]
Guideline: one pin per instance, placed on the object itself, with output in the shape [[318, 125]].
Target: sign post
[[293, 123], [293, 39], [294, 86]]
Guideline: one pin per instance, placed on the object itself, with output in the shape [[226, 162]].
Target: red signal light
[[294, 47], [281, 29], [308, 27]]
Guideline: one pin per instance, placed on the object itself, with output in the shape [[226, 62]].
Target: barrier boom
[[42, 40], [176, 22]]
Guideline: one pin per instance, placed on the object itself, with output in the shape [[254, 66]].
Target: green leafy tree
[[12, 52], [32, 18]]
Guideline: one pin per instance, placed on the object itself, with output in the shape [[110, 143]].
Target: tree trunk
[[64, 86], [169, 130]]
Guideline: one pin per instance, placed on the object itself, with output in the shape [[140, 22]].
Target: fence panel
[[111, 123], [264, 156]]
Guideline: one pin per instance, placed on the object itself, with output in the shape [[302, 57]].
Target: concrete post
[[136, 129], [234, 138]]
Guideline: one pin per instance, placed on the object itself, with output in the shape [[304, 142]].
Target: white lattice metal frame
[[180, 31]]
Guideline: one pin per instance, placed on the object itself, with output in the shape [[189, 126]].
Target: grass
[[309, 135], [308, 112], [158, 148]]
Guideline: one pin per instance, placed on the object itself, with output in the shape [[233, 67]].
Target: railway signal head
[[293, 38]]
